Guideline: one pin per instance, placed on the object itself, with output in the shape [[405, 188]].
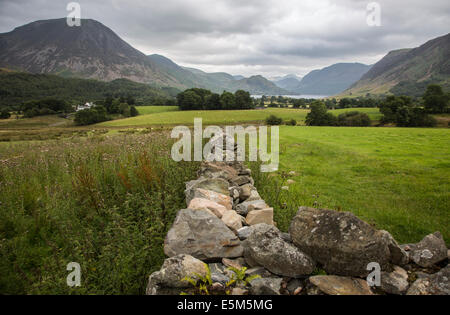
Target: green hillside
[[16, 88], [408, 71]]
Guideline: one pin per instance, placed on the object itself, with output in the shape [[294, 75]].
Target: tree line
[[402, 111], [18, 88], [106, 110], [202, 99]]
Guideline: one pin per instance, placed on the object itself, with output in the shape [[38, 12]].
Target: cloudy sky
[[268, 37]]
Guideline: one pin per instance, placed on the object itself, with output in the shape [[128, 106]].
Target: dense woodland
[[197, 99], [19, 88]]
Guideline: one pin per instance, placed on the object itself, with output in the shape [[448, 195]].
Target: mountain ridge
[[94, 51], [408, 71]]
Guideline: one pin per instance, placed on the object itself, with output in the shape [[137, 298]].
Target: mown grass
[[145, 110], [396, 179], [105, 202], [221, 117]]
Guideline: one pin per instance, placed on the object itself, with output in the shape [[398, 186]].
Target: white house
[[85, 106]]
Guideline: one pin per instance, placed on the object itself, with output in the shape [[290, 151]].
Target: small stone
[[254, 195], [246, 206], [395, 282], [265, 286], [286, 237], [219, 277], [244, 232], [217, 286], [290, 182], [245, 192], [217, 185], [241, 180], [293, 285], [298, 291], [260, 216], [292, 173], [239, 291], [285, 188], [221, 199], [200, 204], [232, 220], [172, 273], [232, 263], [335, 285], [246, 171], [260, 271]]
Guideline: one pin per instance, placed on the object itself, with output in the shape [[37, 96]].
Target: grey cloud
[[270, 37]]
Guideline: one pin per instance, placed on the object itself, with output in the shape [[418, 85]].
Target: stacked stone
[[227, 224]]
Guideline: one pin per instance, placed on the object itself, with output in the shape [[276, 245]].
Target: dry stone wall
[[227, 224]]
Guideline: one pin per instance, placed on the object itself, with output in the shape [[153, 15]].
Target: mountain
[[408, 71], [289, 82], [89, 51], [331, 80], [94, 51], [218, 81]]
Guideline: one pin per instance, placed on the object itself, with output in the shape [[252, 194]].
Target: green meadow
[[172, 117], [106, 195], [394, 178]]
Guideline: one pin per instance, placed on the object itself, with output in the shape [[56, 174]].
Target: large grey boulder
[[172, 273], [201, 235], [436, 284], [266, 247], [429, 251], [339, 241], [217, 185]]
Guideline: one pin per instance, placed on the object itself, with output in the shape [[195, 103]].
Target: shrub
[[318, 116], [354, 119], [133, 111], [4, 114], [291, 122], [273, 120]]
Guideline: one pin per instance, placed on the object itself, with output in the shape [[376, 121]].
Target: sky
[[250, 37]]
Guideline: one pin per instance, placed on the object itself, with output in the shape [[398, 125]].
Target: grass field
[[397, 179], [222, 117], [145, 110], [103, 201]]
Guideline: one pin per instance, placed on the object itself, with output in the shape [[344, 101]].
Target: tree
[[401, 111], [213, 102], [435, 101], [4, 114], [189, 100], [243, 100], [227, 100], [319, 116], [133, 111], [391, 106], [91, 116]]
